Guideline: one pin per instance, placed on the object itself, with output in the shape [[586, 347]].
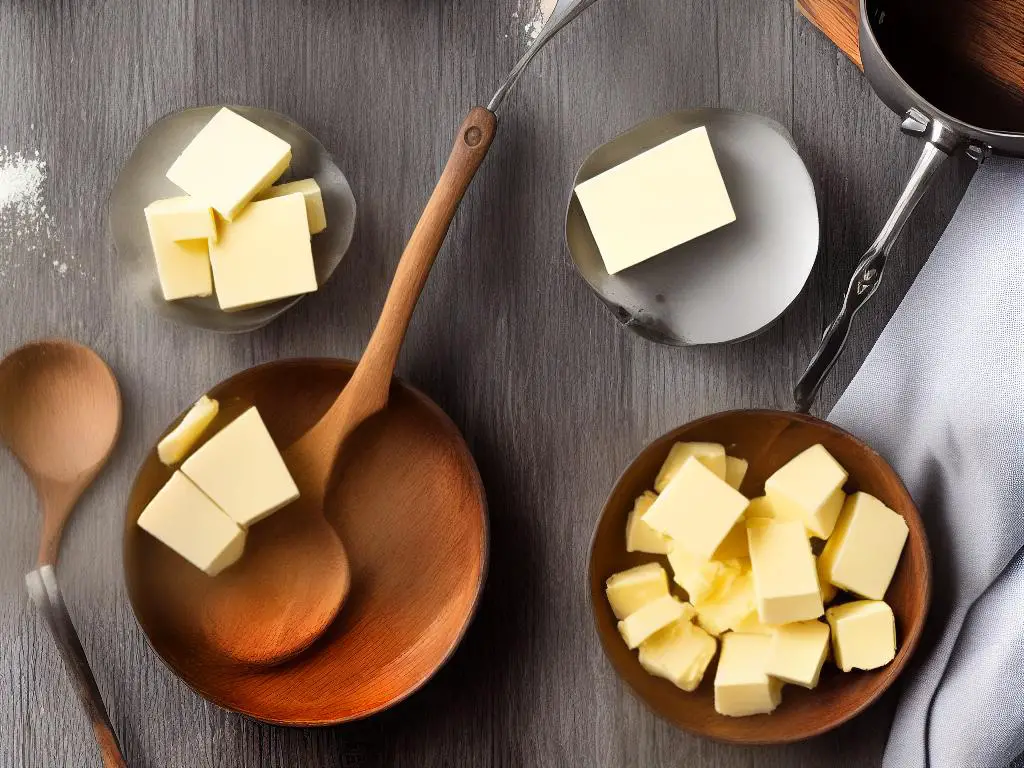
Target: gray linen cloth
[[941, 396]]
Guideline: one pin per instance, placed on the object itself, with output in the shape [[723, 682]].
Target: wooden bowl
[[410, 508], [766, 439]]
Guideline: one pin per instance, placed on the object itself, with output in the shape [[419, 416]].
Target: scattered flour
[[536, 13]]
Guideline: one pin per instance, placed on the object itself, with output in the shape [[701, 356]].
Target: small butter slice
[[179, 442], [629, 591], [753, 626], [182, 267], [863, 634], [310, 191], [680, 653], [798, 652], [240, 469], [183, 517], [183, 218], [696, 510], [658, 613], [702, 579], [862, 554], [785, 575], [229, 162], [735, 471], [742, 686], [264, 254], [809, 487], [640, 537], [730, 608], [711, 455]]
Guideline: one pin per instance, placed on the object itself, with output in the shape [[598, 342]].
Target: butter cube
[[742, 686], [809, 487], [828, 590], [662, 198], [785, 575], [729, 608], [753, 626], [863, 634], [240, 469], [310, 191], [182, 264], [658, 613], [711, 455], [629, 591], [734, 545], [182, 218], [183, 517], [229, 162], [696, 510], [797, 652], [180, 440], [862, 554], [735, 471], [640, 537], [761, 508], [702, 579], [680, 653], [264, 254]]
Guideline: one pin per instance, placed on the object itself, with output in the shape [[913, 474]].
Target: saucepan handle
[[866, 279]]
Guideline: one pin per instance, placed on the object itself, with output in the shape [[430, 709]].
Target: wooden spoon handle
[[45, 593]]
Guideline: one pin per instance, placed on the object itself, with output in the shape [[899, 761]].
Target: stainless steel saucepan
[[908, 49]]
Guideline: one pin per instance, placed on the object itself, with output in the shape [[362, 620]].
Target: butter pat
[[797, 652], [640, 537], [182, 218], [732, 607], [631, 590], [753, 626], [240, 469], [659, 613], [862, 554], [264, 254], [680, 653], [742, 687], [696, 510], [702, 579], [229, 162], [183, 517], [809, 487], [662, 198], [179, 442], [785, 575], [310, 191], [182, 266], [711, 455], [735, 471], [863, 634]]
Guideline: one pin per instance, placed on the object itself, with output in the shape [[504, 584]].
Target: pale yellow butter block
[[180, 440], [662, 198], [761, 508], [182, 218], [658, 613], [310, 191], [809, 487], [711, 455], [696, 510], [753, 626], [680, 653], [734, 545], [742, 686], [264, 254], [186, 520], [229, 162], [828, 590], [862, 554], [640, 537], [729, 608], [863, 634], [735, 471], [797, 652], [183, 267], [241, 470], [702, 579], [785, 575], [629, 591]]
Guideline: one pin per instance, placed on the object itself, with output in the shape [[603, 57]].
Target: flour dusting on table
[[533, 15]]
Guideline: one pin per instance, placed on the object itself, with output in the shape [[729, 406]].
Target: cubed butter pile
[[751, 578], [233, 233], [235, 479]]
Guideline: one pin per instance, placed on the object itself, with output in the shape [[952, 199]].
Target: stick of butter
[[742, 686], [797, 652], [658, 613], [863, 634], [631, 590], [809, 487], [180, 440], [785, 574], [711, 455], [680, 653]]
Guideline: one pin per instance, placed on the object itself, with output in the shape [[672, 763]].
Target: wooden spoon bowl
[[409, 505], [766, 439]]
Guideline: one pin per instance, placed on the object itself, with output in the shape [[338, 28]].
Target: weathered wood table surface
[[553, 397]]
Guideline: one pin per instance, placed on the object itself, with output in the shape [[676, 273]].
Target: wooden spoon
[[60, 415], [291, 582]]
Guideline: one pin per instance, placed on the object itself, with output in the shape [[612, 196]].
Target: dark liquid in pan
[[964, 56]]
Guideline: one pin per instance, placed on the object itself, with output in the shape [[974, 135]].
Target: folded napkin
[[941, 396]]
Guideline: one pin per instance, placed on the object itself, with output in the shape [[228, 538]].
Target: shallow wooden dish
[[410, 508], [767, 439]]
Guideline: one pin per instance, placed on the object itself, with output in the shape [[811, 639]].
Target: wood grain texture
[[554, 399]]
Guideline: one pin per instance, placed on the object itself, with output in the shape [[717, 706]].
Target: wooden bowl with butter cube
[[774, 509]]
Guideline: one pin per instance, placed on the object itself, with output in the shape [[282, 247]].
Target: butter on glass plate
[[143, 179]]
